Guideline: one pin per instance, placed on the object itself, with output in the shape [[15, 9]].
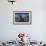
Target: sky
[[20, 14]]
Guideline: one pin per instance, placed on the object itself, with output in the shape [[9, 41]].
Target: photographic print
[[22, 17]]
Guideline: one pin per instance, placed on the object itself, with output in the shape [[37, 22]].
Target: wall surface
[[9, 31]]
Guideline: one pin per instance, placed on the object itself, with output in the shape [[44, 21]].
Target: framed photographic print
[[22, 17]]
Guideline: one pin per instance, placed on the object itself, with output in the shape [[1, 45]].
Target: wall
[[9, 31]]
